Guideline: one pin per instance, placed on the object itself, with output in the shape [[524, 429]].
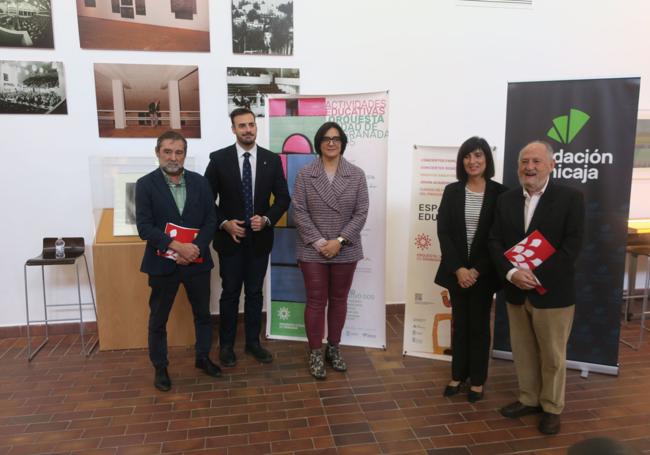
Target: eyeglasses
[[333, 140]]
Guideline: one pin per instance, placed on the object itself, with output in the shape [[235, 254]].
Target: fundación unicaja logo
[[581, 164], [566, 127]]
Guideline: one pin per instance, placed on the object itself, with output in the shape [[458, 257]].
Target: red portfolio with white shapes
[[180, 234], [530, 252]]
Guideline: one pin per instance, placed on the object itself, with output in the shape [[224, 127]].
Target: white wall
[[446, 67], [158, 13]]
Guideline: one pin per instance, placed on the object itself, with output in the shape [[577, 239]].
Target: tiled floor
[[97, 33], [62, 403]]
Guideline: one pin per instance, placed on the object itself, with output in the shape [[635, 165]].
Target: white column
[[118, 104], [174, 105], [61, 79]]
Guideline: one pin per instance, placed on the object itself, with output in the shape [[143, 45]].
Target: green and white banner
[[427, 316], [292, 124]]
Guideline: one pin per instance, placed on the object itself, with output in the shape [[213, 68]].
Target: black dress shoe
[[227, 356], [549, 424], [474, 396], [518, 409], [451, 390], [208, 367], [257, 351], [161, 380]]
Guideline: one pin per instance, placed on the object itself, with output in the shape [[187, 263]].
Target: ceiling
[[146, 83]]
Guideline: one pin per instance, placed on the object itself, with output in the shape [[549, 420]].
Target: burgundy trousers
[[326, 283]]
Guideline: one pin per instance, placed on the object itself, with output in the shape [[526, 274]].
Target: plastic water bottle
[[59, 248]]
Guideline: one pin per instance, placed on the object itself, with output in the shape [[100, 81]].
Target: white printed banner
[[427, 318]]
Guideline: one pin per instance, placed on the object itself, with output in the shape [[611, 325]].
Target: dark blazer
[[559, 216], [324, 210], [452, 235], [155, 207], [224, 176]]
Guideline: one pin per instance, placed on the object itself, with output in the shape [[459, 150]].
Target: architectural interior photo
[[144, 25], [124, 93]]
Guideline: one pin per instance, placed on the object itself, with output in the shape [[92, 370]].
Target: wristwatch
[[342, 241]]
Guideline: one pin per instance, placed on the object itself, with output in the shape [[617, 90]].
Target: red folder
[[530, 252], [180, 234]]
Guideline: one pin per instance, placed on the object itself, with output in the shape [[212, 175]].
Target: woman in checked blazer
[[330, 202]]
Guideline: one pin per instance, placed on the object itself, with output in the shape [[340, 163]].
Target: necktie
[[247, 185]]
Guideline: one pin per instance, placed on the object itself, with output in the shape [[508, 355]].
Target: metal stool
[[635, 251], [74, 251]]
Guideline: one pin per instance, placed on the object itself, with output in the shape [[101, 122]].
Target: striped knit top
[[473, 204]]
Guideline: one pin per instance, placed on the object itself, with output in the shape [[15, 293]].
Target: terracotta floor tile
[[310, 432], [62, 403]]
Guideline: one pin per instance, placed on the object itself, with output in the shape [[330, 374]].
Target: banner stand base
[[583, 367]]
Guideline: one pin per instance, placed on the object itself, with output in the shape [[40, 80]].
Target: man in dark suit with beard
[[243, 178], [172, 194], [540, 323]]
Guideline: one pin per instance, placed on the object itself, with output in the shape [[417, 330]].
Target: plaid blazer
[[327, 210]]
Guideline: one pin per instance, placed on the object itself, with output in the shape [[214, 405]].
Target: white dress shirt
[[253, 161], [530, 204]]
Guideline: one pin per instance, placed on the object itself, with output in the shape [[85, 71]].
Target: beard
[[172, 169], [247, 140]]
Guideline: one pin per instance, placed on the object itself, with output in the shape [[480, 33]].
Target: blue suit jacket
[[155, 207]]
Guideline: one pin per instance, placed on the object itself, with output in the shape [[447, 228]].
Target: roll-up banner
[[427, 314], [591, 125], [293, 122]]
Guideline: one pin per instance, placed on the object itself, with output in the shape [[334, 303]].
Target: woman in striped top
[[465, 216]]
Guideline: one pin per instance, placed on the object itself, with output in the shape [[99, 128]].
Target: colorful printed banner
[[427, 316], [293, 122]]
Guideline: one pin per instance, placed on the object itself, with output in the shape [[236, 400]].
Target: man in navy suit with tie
[[172, 194], [243, 178]]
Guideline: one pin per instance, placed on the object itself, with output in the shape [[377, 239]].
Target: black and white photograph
[[147, 100], [32, 88], [26, 23], [247, 86], [124, 203], [144, 25], [262, 27]]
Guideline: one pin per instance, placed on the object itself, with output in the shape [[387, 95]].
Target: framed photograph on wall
[[140, 8], [127, 12], [32, 88], [140, 25], [262, 27], [26, 24], [247, 87], [151, 100]]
